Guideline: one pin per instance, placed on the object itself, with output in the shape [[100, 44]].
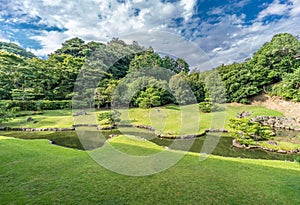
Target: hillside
[[115, 69], [288, 108], [14, 48]]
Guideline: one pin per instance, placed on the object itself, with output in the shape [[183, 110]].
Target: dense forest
[[28, 82]]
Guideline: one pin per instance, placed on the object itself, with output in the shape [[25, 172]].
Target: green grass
[[282, 146], [36, 172], [134, 145], [167, 120], [49, 118]]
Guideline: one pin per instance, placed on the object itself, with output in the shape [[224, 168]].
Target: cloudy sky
[[226, 31]]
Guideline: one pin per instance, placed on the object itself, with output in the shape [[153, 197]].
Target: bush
[[29, 113], [36, 105], [245, 101], [56, 105], [297, 159], [247, 132], [109, 118], [207, 107], [6, 114]]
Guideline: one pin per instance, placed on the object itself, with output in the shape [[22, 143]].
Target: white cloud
[[295, 8], [174, 45], [100, 20], [216, 11], [230, 42], [227, 41], [188, 6], [50, 41], [51, 3], [275, 8], [3, 38]]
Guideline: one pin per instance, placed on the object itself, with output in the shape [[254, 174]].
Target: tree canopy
[[103, 73], [15, 49]]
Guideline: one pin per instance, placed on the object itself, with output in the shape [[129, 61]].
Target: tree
[[275, 58], [150, 59], [10, 73], [5, 114], [105, 91], [145, 60], [197, 85], [215, 87], [181, 90], [208, 106], [289, 88], [74, 47], [24, 94], [111, 117], [151, 97], [181, 66], [15, 49], [247, 132]]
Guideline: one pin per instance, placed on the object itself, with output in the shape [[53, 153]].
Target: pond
[[223, 147]]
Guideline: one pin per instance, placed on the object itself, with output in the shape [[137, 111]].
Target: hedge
[[36, 105]]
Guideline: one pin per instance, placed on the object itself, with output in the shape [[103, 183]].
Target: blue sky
[[226, 31]]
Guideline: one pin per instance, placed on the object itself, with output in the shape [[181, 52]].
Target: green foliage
[[275, 58], [272, 61], [25, 94], [151, 59], [151, 97], [37, 79], [104, 92], [74, 47], [36, 105], [109, 118], [215, 87], [247, 132], [136, 88], [181, 90], [23, 77], [289, 88], [297, 159], [197, 85], [208, 106], [15, 49], [6, 114], [205, 107]]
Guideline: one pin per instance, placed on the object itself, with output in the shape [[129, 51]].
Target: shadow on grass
[[58, 113]]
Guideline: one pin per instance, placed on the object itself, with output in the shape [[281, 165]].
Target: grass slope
[[36, 172]]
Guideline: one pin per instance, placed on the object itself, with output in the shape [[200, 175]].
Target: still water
[[87, 140]]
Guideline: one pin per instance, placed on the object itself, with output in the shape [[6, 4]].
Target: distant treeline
[[274, 68]]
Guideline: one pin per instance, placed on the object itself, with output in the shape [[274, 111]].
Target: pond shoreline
[[236, 144], [146, 127]]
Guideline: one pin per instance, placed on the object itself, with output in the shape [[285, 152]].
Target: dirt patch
[[288, 108]]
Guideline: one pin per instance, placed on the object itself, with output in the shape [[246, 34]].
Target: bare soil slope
[[288, 108]]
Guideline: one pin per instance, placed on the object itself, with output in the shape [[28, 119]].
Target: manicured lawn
[[49, 118], [36, 172], [169, 120]]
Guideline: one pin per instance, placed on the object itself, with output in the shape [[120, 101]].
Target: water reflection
[[93, 140]]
